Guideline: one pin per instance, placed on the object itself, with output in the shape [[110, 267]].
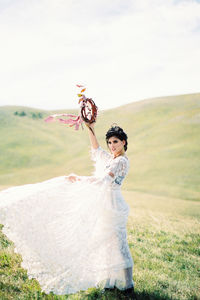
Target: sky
[[121, 50]]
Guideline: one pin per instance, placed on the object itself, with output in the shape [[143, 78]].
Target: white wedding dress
[[72, 236]]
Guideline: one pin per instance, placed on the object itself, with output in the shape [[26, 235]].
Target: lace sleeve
[[119, 169], [99, 154]]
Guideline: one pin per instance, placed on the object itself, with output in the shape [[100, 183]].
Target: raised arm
[[94, 145], [92, 136]]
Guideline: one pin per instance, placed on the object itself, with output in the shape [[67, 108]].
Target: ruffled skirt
[[71, 236]]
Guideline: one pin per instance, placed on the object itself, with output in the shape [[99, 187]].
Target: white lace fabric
[[72, 236], [105, 163]]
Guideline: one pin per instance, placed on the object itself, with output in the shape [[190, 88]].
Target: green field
[[163, 146], [162, 190]]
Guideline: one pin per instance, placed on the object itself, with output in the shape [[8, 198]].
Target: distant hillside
[[164, 144]]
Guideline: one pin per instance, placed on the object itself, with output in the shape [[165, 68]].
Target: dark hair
[[119, 133]]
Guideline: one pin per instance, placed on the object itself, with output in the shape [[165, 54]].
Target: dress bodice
[[105, 163]]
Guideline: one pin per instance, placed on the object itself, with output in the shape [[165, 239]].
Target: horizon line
[[136, 101]]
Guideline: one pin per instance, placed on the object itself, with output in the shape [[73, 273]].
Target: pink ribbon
[[71, 121]]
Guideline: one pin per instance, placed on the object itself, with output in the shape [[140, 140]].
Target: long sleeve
[[105, 164], [119, 168], [99, 154]]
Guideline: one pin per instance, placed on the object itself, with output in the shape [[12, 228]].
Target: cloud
[[122, 50]]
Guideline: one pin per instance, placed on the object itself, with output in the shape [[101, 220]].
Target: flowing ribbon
[[72, 120]]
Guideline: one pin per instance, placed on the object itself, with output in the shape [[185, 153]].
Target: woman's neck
[[118, 154]]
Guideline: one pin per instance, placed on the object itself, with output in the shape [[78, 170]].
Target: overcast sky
[[121, 50]]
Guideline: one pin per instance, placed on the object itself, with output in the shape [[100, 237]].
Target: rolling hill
[[162, 190], [163, 146]]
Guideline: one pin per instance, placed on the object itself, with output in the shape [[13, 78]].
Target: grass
[[164, 239]]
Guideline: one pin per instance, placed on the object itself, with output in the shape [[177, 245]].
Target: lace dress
[[72, 236]]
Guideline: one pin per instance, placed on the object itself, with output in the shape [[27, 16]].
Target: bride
[[71, 230]]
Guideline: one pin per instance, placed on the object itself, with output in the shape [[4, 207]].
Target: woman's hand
[[72, 178], [90, 125]]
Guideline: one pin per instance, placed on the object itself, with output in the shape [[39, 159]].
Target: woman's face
[[115, 145]]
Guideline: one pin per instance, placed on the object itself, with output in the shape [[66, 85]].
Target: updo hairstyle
[[119, 133]]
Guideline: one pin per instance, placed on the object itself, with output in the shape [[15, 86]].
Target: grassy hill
[[163, 146], [162, 190]]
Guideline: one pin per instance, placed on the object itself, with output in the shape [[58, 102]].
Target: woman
[[71, 230]]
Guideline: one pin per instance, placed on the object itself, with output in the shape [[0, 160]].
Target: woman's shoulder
[[121, 160], [101, 150], [100, 153]]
